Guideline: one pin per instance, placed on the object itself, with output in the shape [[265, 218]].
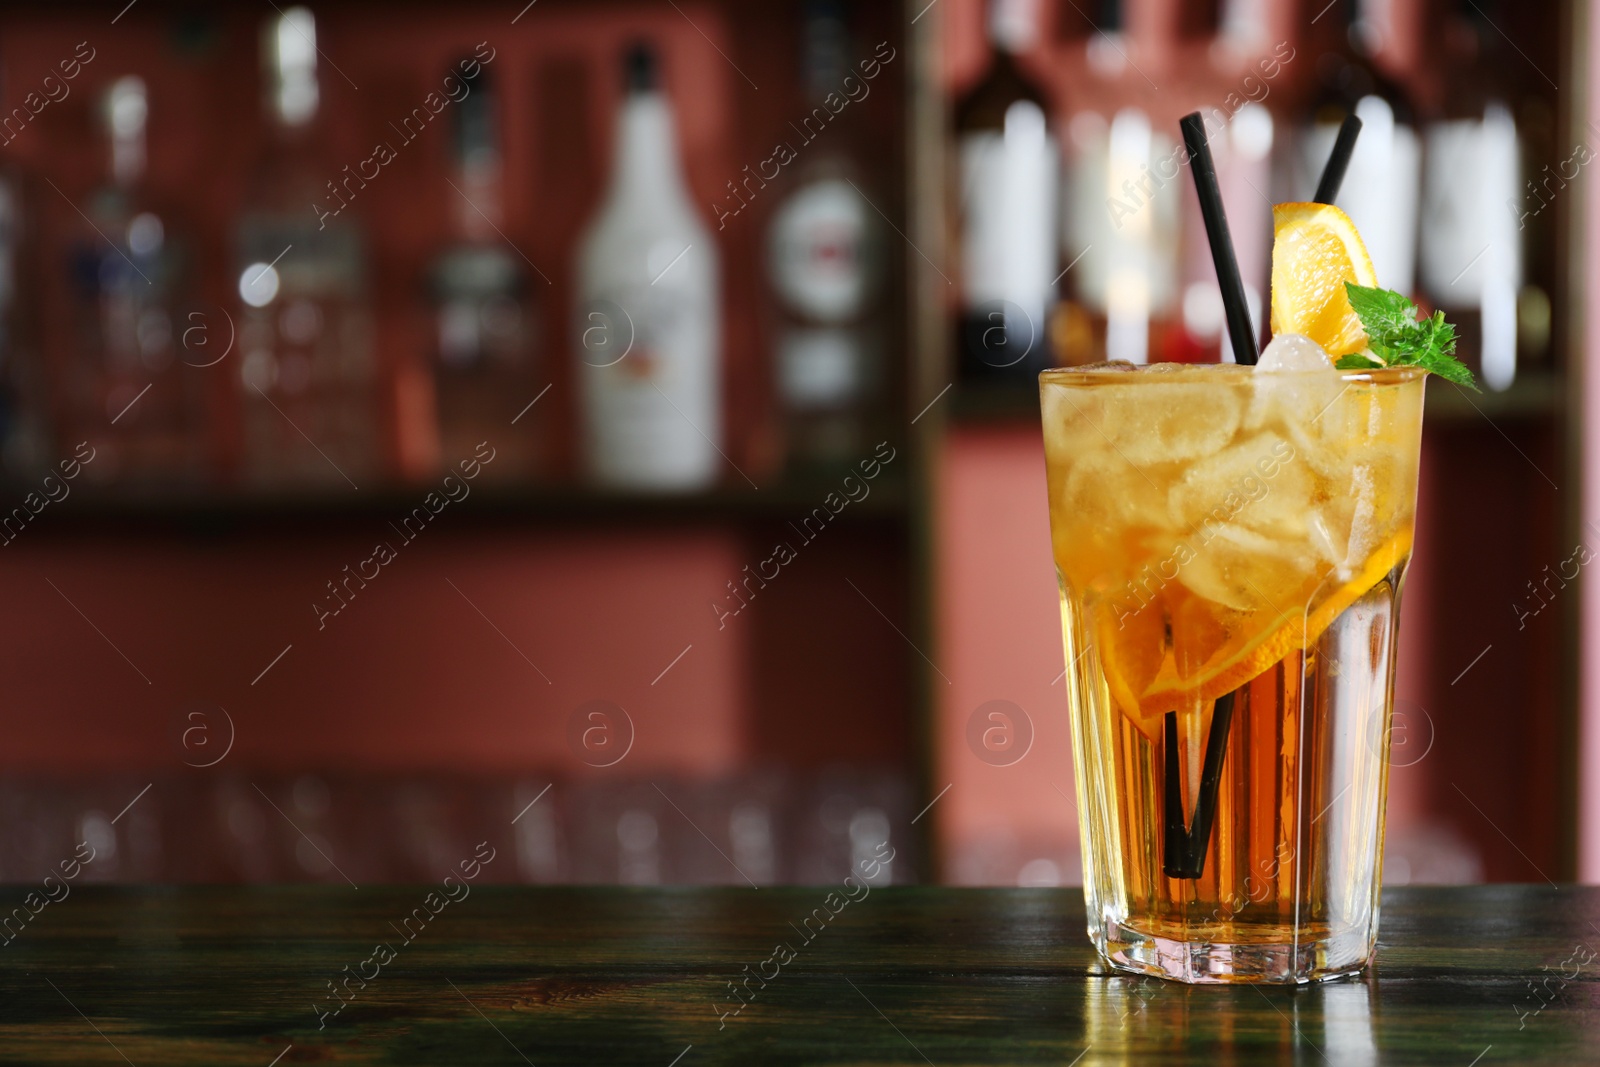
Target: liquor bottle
[[1381, 187], [306, 373], [648, 329], [484, 360], [128, 390], [825, 261], [1123, 212], [1008, 185], [24, 407], [1471, 234]]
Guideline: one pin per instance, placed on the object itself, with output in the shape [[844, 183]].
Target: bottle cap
[[641, 68]]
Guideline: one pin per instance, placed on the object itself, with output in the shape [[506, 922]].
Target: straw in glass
[[1185, 845], [1338, 160]]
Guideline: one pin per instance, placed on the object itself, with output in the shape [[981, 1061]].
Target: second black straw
[[1234, 304]]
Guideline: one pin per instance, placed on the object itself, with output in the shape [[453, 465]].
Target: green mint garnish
[[1397, 338]]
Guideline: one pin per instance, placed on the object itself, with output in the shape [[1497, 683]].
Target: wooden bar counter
[[690, 976]]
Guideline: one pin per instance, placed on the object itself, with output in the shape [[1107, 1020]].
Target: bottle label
[[1470, 241], [1009, 190], [650, 379], [822, 267]]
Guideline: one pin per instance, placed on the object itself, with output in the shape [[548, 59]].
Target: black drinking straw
[[1240, 332], [1184, 847], [1338, 160]]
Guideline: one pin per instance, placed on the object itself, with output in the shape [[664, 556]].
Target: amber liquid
[[1291, 870]]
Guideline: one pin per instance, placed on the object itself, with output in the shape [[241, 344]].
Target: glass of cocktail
[[1230, 547], [1230, 544]]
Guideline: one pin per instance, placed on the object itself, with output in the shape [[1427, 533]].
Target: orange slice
[[1133, 649], [1146, 677], [1315, 251]]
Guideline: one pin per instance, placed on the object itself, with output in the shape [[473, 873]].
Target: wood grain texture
[[907, 975]]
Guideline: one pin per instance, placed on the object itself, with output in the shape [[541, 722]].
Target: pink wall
[[408, 676], [999, 638]]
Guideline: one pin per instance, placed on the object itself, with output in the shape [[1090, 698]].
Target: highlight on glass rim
[[826, 532]]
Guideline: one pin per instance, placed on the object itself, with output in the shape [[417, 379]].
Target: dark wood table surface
[[214, 975]]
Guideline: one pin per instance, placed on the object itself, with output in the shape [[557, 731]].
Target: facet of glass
[[1230, 548]]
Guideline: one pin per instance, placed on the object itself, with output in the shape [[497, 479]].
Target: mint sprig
[[1397, 338]]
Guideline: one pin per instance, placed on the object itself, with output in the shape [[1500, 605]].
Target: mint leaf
[[1397, 338], [1381, 310], [1444, 364]]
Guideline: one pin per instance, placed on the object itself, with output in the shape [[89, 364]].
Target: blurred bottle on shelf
[[1122, 216], [1242, 28], [126, 388], [484, 360], [304, 327], [1471, 235], [648, 327], [825, 261], [24, 404], [1381, 188], [1007, 186]]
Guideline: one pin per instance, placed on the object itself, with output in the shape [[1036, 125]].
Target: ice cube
[[1173, 421], [1330, 541], [1290, 395], [1259, 483], [1248, 572], [1106, 493], [1293, 352], [1073, 417], [1364, 533]]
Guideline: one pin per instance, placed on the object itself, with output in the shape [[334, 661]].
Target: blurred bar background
[[584, 427]]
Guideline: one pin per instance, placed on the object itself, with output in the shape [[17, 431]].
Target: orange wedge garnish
[[1315, 251], [1149, 675]]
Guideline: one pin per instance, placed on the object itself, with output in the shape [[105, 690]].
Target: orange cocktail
[[1224, 537]]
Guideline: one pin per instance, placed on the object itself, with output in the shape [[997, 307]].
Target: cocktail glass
[[1230, 546]]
